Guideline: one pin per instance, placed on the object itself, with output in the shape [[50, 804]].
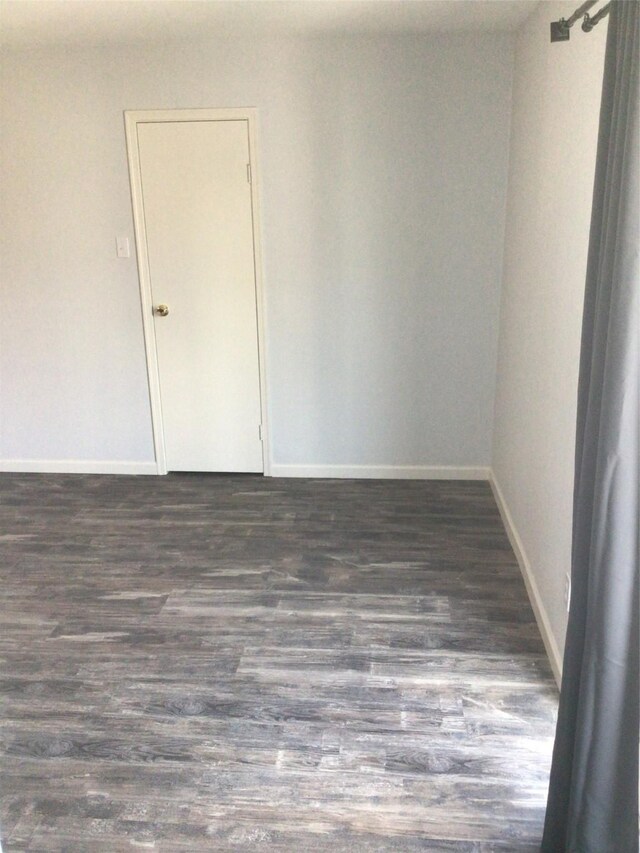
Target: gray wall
[[384, 166], [556, 104]]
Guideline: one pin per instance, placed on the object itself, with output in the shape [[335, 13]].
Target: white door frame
[[132, 118]]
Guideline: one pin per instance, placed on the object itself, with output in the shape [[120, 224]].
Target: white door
[[197, 231]]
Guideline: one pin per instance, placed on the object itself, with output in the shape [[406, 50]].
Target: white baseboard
[[381, 472], [75, 466], [553, 652]]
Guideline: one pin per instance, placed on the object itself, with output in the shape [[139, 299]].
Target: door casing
[[132, 118]]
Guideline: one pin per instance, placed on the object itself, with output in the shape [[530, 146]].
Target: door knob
[[161, 310]]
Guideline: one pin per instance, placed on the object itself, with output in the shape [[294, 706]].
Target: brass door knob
[[161, 310]]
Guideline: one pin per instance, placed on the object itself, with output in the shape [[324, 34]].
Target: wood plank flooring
[[227, 662]]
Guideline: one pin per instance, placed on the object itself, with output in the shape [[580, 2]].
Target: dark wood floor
[[200, 662]]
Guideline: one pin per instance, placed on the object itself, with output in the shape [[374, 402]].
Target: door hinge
[[249, 173], [260, 431]]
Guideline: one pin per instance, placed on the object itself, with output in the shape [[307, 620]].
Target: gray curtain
[[593, 792]]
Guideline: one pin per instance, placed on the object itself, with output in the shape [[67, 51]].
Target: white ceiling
[[36, 22]]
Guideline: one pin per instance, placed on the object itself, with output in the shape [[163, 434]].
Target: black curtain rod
[[589, 22], [561, 30]]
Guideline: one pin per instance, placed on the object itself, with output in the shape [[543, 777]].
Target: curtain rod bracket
[[561, 30]]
